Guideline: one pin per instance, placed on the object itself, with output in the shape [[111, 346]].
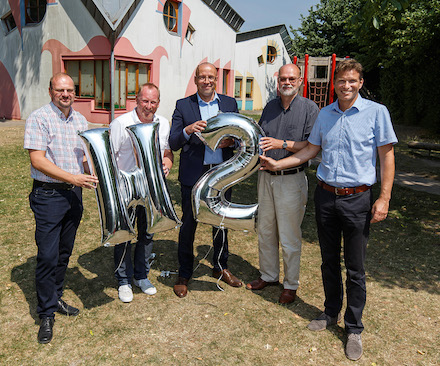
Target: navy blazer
[[193, 151]]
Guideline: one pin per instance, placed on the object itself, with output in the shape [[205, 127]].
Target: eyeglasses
[[68, 91], [292, 80], [203, 78]]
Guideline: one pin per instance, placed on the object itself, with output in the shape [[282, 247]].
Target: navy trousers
[[187, 232], [142, 252], [347, 217], [57, 217]]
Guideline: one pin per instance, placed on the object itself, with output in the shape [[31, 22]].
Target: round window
[[170, 11]]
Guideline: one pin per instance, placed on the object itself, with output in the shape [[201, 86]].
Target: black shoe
[[45, 333], [66, 309]]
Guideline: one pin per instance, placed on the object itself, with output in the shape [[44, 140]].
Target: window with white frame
[[190, 34], [9, 22]]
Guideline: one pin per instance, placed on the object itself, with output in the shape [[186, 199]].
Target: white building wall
[[213, 40], [247, 66]]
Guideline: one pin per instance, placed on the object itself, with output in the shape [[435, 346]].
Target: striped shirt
[[48, 129], [349, 142]]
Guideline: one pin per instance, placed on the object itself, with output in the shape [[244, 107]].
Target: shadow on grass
[[166, 260], [89, 290], [403, 250], [24, 276]]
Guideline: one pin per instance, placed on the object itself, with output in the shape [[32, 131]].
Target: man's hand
[[379, 211], [198, 126], [269, 143], [84, 181], [41, 163], [268, 163], [166, 170], [226, 142]]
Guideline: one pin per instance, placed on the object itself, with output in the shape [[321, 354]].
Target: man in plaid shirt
[[57, 166]]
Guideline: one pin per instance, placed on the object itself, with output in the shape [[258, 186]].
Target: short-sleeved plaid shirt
[[49, 130]]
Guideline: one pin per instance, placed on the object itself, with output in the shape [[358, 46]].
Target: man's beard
[[288, 92]]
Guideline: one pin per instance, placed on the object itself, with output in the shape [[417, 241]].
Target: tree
[[403, 54], [324, 31]]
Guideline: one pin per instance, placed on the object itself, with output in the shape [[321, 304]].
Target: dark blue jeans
[[57, 217], [142, 252], [348, 217], [185, 250]]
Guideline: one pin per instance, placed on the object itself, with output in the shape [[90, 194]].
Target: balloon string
[[218, 260], [123, 256], [222, 248], [198, 265]]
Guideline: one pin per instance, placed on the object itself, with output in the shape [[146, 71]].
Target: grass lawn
[[209, 326]]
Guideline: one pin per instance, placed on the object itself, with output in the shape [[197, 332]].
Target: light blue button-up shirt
[[349, 142], [208, 110]]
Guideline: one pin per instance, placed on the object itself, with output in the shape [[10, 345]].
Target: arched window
[[271, 54], [35, 10], [170, 15]]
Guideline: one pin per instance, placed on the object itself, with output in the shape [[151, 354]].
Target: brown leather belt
[[59, 186], [286, 172], [343, 191]]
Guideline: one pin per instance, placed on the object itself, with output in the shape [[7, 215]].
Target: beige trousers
[[281, 206]]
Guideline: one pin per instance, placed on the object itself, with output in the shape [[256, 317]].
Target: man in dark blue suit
[[190, 117]]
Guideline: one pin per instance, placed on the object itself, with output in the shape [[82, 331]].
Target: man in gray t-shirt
[[282, 196]]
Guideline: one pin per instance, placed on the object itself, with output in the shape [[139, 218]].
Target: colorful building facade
[[111, 47], [258, 56]]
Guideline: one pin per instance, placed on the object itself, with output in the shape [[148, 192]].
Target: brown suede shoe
[[181, 287], [287, 296], [259, 284], [227, 277]]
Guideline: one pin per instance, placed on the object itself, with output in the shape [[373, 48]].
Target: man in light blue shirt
[[351, 133]]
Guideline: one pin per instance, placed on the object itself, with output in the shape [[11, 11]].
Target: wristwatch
[[285, 145]]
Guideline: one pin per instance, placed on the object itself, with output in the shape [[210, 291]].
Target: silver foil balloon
[[119, 192], [161, 215], [116, 227], [208, 195]]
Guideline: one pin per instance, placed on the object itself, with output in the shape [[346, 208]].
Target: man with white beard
[[282, 195]]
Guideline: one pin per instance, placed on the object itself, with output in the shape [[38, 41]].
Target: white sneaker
[[145, 285], [125, 293]]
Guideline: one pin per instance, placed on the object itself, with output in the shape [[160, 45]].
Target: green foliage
[[324, 30], [395, 40], [372, 12], [404, 53]]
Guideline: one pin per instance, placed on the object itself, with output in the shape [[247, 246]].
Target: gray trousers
[[282, 203]]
